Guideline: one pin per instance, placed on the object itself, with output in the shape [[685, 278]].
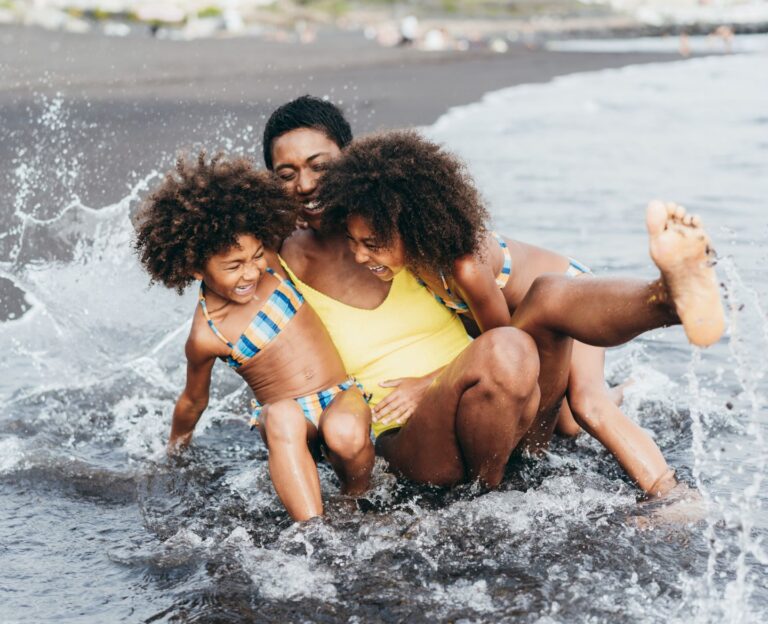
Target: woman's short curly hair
[[200, 209], [403, 184]]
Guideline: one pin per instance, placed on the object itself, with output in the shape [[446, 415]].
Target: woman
[[465, 418]]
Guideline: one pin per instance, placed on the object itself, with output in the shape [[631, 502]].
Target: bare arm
[[194, 399], [477, 286]]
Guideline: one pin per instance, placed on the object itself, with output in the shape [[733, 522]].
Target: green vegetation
[[211, 11], [473, 8]]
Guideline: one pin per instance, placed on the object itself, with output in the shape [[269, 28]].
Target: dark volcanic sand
[[131, 103]]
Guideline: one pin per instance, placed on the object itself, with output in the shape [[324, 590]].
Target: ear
[[198, 276]]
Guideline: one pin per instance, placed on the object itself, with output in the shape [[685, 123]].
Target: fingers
[[390, 383], [385, 404], [393, 410], [397, 415]]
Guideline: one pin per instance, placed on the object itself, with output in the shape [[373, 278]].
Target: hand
[[399, 405], [178, 444]]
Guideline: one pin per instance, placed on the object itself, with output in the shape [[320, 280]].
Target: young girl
[[219, 221], [406, 203]]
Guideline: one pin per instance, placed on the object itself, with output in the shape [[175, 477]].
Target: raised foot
[[681, 250]]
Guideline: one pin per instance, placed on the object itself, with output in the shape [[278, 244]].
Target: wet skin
[[469, 441], [300, 361], [477, 448], [549, 312]]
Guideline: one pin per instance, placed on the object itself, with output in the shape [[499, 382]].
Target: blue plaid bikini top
[[270, 320], [456, 303]]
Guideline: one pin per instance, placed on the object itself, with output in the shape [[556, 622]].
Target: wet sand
[[131, 103]]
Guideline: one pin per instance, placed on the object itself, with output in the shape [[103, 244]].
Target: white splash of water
[[11, 453], [279, 576], [735, 496]]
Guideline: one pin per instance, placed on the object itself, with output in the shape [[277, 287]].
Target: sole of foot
[[681, 250]]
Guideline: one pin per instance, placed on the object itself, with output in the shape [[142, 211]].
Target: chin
[[313, 222]]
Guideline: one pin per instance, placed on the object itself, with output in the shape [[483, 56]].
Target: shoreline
[[138, 101], [91, 115]]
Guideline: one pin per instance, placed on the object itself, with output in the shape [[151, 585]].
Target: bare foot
[[680, 248], [682, 506]]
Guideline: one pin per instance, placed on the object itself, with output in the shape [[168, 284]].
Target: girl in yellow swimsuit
[[459, 408], [406, 203]]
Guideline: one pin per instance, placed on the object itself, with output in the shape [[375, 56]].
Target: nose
[[307, 183], [361, 253], [253, 271]]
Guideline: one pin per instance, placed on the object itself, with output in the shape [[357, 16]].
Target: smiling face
[[299, 159], [235, 273], [383, 261]]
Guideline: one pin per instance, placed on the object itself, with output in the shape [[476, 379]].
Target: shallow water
[[96, 525]]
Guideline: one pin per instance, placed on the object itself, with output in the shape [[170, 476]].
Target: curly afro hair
[[402, 184], [200, 209]]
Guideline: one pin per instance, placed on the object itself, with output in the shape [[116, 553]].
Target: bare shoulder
[[297, 249], [202, 344], [468, 268], [273, 261]]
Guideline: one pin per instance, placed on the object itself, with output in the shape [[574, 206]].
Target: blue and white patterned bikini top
[[457, 304], [270, 320]]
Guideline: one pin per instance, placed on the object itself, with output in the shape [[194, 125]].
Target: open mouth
[[312, 207], [378, 270], [244, 290]]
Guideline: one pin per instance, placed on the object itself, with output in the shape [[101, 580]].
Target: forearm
[[185, 416]]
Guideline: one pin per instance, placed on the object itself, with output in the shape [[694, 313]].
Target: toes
[[676, 211], [656, 217], [695, 221]]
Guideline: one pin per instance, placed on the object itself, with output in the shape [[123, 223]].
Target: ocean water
[[97, 525]]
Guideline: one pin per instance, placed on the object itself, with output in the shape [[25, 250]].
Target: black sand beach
[[138, 100], [96, 525]]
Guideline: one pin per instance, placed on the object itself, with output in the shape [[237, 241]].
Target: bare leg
[[566, 425], [472, 416], [608, 312], [595, 410], [291, 465], [345, 428]]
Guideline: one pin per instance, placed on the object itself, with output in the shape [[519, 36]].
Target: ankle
[[662, 485]]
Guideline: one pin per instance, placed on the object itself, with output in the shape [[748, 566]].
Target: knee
[[345, 434], [589, 408], [284, 423], [545, 291], [509, 359]]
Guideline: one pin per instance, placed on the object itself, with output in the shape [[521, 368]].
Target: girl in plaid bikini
[[218, 221]]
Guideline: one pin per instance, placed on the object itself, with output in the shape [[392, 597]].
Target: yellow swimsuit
[[408, 335]]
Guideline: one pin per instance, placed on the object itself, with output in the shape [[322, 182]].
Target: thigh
[[427, 448]]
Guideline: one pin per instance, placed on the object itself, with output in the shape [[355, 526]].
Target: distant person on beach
[[470, 405], [219, 221]]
